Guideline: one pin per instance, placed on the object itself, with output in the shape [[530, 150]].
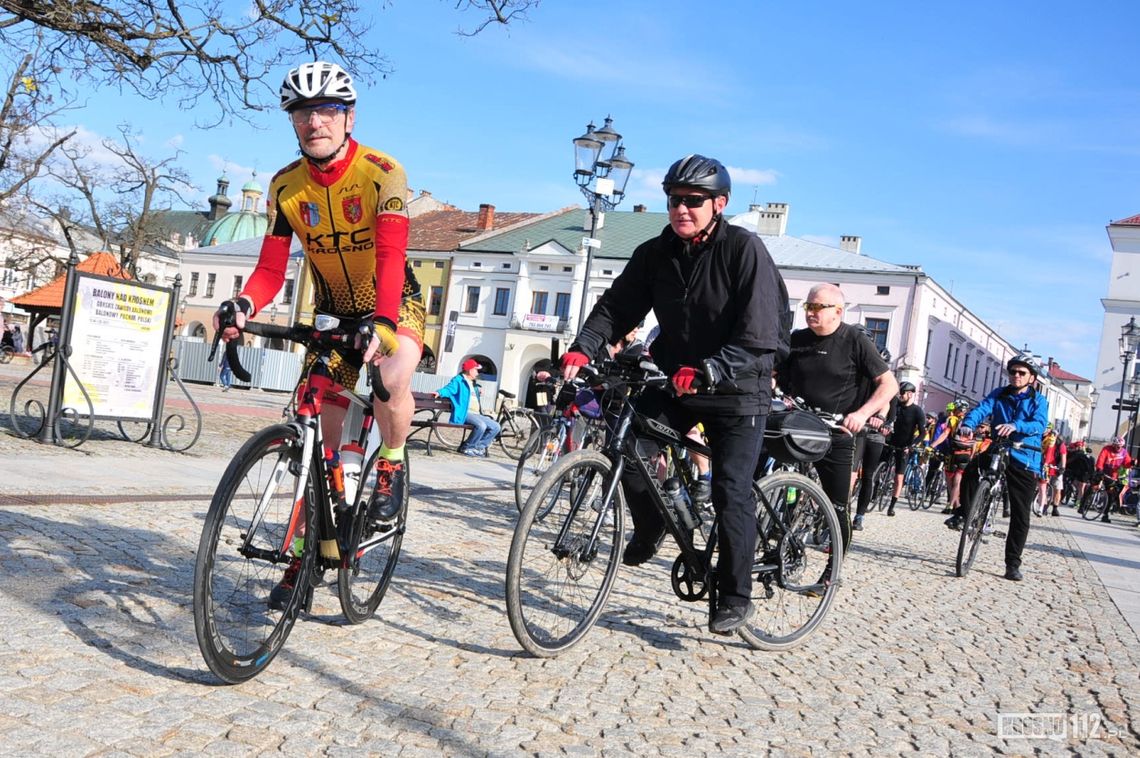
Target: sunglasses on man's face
[[689, 201], [1019, 372], [817, 307]]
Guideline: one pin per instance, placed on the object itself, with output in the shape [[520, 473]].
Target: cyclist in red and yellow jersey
[[345, 203]]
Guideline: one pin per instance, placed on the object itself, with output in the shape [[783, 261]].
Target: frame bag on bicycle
[[794, 436]]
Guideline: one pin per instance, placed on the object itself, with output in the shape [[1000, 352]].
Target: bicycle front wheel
[[973, 527], [912, 483], [935, 490], [1098, 501], [366, 572], [249, 581], [798, 558], [542, 450], [883, 485], [562, 566], [518, 427]]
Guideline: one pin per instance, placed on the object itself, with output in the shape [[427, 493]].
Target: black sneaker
[[1013, 574], [702, 491], [639, 550], [857, 524], [391, 483], [891, 509], [954, 522], [729, 618], [280, 594]]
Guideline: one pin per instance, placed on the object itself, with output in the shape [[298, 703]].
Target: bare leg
[[395, 416]]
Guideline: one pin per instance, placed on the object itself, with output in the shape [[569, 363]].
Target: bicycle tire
[[238, 632], [6, 354], [796, 572], [450, 437], [1098, 501], [883, 484], [935, 490], [556, 591], [912, 483], [972, 527], [518, 427], [364, 575], [542, 450]]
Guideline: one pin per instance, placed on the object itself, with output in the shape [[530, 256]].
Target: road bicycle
[[569, 429], [286, 508], [883, 481], [914, 478], [990, 498], [1102, 496], [518, 425], [936, 484], [568, 542]]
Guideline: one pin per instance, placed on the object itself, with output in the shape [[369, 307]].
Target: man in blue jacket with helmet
[[1018, 411]]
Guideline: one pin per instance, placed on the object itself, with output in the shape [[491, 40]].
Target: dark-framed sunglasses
[[817, 307], [689, 201]]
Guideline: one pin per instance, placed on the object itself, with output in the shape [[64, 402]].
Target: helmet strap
[[322, 162], [703, 235]]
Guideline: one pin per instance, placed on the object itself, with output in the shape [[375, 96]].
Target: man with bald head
[[835, 367]]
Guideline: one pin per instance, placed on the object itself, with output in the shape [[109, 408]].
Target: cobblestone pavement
[[99, 655]]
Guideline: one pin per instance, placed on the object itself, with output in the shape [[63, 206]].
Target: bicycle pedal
[[999, 535]]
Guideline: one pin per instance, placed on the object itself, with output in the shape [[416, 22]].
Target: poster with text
[[116, 342]]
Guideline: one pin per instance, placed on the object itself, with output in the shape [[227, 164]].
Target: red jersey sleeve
[[266, 280]]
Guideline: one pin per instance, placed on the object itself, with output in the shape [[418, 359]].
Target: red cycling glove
[[574, 358], [684, 378]]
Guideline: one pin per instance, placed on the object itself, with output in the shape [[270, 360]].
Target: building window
[[567, 269], [287, 296], [237, 286], [882, 290], [965, 369], [439, 264], [435, 300], [544, 268], [502, 301], [472, 304], [507, 266], [417, 264], [562, 305], [949, 361], [878, 329], [974, 381], [211, 280], [193, 284], [607, 272], [538, 302], [477, 264]]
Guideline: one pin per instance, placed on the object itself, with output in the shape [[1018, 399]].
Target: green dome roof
[[234, 227], [251, 186]]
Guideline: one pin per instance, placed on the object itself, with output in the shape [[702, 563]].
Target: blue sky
[[989, 143]]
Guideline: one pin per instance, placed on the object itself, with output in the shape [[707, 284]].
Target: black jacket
[[722, 307]]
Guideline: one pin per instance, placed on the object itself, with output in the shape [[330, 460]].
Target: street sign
[[1126, 406]]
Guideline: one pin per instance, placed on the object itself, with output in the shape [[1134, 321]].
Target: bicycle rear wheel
[[912, 484], [518, 427], [243, 557], [935, 490], [558, 575], [542, 450], [365, 574], [973, 526], [797, 564]]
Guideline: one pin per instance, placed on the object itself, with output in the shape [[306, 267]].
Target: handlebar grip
[[235, 363]]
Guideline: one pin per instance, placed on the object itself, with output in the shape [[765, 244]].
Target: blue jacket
[[1028, 412], [459, 393]]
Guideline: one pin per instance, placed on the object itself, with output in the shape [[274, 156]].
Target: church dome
[[234, 227]]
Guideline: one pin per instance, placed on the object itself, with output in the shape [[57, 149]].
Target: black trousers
[[868, 453], [1021, 484], [834, 471], [735, 445]]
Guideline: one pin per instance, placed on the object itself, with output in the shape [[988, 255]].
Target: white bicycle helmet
[[317, 80]]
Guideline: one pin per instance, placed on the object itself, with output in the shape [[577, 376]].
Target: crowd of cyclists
[[724, 339]]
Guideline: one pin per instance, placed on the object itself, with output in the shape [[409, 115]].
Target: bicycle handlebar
[[303, 334]]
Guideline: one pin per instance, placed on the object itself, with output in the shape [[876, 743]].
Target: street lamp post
[[1129, 339], [599, 160], [1094, 395]]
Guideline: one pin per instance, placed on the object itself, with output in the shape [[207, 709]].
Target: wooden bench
[[431, 416]]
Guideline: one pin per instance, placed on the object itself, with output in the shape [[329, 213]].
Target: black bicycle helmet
[[698, 172], [906, 387], [1024, 360]]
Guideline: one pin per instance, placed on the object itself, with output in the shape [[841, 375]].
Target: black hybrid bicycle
[[568, 541], [285, 512], [989, 501]]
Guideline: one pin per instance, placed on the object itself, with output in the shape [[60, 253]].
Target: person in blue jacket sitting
[[463, 392], [1018, 411]]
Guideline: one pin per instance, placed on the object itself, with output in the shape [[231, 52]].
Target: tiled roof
[[444, 230], [1058, 373], [1130, 221], [50, 296], [625, 230]]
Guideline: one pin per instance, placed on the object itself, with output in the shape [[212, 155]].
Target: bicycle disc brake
[[685, 584]]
